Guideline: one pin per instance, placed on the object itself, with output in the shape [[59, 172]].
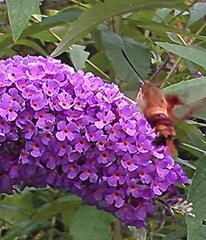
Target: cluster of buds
[[72, 131], [183, 207]]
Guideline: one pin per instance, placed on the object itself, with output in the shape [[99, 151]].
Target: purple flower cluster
[[71, 130]]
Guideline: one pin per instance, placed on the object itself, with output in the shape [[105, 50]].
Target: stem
[[171, 72], [98, 69], [116, 229], [80, 4]]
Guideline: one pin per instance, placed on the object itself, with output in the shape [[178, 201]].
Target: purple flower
[[66, 131], [72, 170], [144, 209], [65, 100], [130, 162], [30, 92], [4, 126], [38, 102], [9, 107], [43, 118], [114, 131], [128, 145], [29, 130], [159, 185], [88, 172], [2, 137], [50, 160], [81, 143], [93, 133], [104, 119], [25, 117], [35, 147], [134, 188], [71, 130], [51, 87], [80, 102], [110, 94], [105, 157], [129, 126], [13, 134], [24, 157], [115, 198], [117, 176], [101, 142], [62, 148], [146, 173]]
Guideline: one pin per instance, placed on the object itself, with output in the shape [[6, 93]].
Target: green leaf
[[139, 56], [161, 14], [19, 14], [91, 224], [98, 13], [190, 53], [23, 202], [189, 91], [65, 16], [78, 56], [140, 234], [163, 28], [190, 135], [174, 38], [197, 12], [193, 98], [197, 195], [137, 53], [31, 44], [178, 234], [41, 214], [201, 114]]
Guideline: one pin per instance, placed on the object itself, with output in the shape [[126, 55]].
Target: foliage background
[[90, 35]]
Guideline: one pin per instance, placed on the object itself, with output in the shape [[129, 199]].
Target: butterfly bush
[[72, 131]]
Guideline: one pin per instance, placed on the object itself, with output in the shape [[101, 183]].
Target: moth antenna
[[141, 80]]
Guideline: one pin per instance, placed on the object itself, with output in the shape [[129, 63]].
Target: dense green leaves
[[41, 30], [32, 216], [91, 35], [197, 195], [100, 12]]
